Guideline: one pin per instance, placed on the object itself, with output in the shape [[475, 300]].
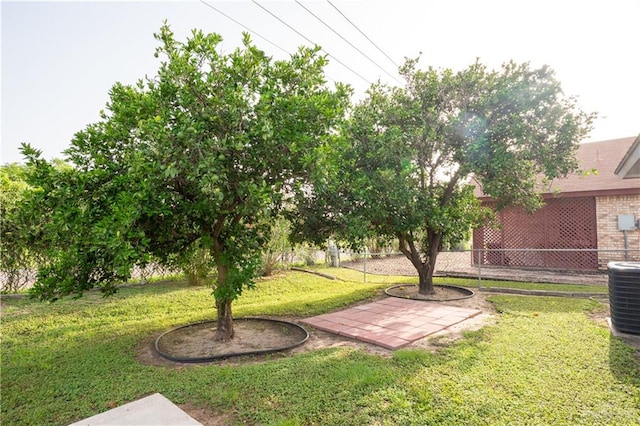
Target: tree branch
[[448, 193], [410, 252]]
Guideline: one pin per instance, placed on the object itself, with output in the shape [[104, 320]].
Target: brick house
[[581, 212]]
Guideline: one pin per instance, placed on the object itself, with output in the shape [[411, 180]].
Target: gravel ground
[[459, 264]]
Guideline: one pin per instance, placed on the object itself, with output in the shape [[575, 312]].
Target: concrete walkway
[[392, 322], [153, 410]]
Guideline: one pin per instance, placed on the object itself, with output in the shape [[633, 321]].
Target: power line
[[347, 41], [244, 26], [365, 36], [250, 30], [310, 41]]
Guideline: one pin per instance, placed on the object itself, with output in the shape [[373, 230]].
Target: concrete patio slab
[[392, 322], [149, 411]]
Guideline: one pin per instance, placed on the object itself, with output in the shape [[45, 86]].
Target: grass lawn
[[544, 361]]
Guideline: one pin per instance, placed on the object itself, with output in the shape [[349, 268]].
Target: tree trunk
[[429, 266], [224, 324], [426, 274], [425, 285], [425, 268]]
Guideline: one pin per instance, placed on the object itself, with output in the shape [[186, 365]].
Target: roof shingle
[[604, 157]]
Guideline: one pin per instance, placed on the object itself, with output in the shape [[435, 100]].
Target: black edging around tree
[[212, 358], [465, 293]]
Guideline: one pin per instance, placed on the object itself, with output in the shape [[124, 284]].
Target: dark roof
[[604, 157]]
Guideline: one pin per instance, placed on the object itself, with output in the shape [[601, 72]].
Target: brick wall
[[607, 211]]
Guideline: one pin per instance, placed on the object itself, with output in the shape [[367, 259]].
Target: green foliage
[[85, 227], [276, 252], [279, 252], [14, 252], [409, 156], [543, 361], [199, 157], [197, 264], [22, 249]]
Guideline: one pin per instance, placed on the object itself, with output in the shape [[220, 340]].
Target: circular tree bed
[[252, 336], [443, 292]]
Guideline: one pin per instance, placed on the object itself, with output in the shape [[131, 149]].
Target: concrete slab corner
[[153, 410]]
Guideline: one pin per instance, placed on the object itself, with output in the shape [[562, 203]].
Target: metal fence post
[[480, 257], [364, 269]]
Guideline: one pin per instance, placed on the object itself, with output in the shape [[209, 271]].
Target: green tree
[[277, 250], [21, 247], [199, 157], [409, 156], [15, 256]]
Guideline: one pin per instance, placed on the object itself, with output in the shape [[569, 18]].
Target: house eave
[[629, 166], [578, 194]]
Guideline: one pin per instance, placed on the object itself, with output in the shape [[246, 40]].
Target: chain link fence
[[464, 263], [477, 264], [13, 281]]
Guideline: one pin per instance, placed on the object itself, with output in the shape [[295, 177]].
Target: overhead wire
[[361, 32], [244, 26], [345, 40], [310, 41], [254, 32]]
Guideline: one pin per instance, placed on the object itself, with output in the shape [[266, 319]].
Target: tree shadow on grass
[[624, 359], [541, 304]]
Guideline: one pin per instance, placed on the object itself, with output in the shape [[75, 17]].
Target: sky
[[59, 59]]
